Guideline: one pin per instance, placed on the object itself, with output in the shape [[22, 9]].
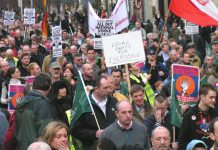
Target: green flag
[[175, 110], [80, 103]]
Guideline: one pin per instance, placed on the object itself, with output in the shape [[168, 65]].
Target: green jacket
[[32, 114]]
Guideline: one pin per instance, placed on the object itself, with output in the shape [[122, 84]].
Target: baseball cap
[[151, 52], [214, 42], [54, 65], [190, 45], [194, 143]]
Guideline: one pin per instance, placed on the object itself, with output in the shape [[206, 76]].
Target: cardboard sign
[[123, 48], [29, 16], [9, 18], [187, 82]]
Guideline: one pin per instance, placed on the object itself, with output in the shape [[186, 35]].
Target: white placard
[[104, 27], [57, 50], [56, 31], [97, 43], [56, 34], [123, 49], [29, 16], [191, 28], [9, 18]]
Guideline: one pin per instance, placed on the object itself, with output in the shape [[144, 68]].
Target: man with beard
[[25, 61], [87, 73], [55, 71]]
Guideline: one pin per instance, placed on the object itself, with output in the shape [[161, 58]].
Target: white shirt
[[101, 104], [118, 122]]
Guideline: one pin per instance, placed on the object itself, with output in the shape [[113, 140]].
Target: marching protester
[[85, 128], [213, 131], [56, 135], [160, 138], [126, 126], [127, 75], [34, 112], [195, 124]]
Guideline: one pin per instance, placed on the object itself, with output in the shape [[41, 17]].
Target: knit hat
[[194, 143]]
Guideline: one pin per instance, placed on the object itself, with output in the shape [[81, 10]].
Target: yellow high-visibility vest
[[68, 112], [149, 93]]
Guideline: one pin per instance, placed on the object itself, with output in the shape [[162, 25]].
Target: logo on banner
[[185, 85], [203, 2]]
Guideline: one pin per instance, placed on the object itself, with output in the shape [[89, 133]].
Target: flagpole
[[89, 101], [162, 32]]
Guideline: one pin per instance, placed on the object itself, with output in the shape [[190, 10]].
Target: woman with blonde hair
[[56, 134]]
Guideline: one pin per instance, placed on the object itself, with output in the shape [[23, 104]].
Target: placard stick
[[128, 82]]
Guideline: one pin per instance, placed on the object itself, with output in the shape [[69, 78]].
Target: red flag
[[201, 12], [45, 20]]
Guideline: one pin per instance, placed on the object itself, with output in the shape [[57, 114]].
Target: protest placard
[[97, 43], [103, 28], [56, 31], [191, 28], [187, 83], [56, 39], [9, 18], [29, 79], [123, 48], [29, 16], [15, 92], [57, 50]]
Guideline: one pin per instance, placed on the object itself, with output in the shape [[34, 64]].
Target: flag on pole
[[80, 103], [201, 12], [45, 20], [120, 16], [175, 109], [92, 19]]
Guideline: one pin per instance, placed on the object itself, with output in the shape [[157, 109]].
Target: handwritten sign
[[9, 18], [29, 16], [123, 49], [187, 81]]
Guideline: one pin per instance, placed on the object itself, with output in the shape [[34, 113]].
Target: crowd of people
[[42, 118]]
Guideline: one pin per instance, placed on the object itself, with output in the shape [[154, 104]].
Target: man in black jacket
[[85, 129], [195, 124]]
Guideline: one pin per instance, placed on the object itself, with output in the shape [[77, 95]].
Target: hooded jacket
[[32, 114], [63, 104]]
